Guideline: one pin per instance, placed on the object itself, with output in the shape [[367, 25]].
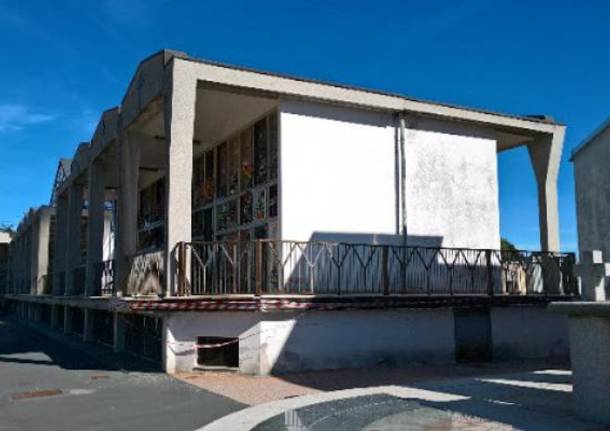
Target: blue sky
[[64, 62]]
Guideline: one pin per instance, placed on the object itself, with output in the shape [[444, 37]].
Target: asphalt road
[[34, 369]]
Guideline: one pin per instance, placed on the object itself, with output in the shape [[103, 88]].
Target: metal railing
[[146, 274], [328, 268]]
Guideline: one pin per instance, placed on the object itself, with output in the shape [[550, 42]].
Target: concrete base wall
[[351, 339], [285, 342], [292, 342], [528, 333]]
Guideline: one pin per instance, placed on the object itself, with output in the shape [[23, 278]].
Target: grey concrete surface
[[93, 396], [531, 401], [589, 324]]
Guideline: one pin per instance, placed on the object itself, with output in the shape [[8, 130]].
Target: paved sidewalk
[[47, 385], [254, 390], [528, 400]]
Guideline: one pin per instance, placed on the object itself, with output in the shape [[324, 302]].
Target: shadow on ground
[[46, 346]]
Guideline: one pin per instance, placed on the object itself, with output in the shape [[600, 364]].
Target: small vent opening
[[218, 352]]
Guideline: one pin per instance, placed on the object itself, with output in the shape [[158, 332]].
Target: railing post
[[181, 268], [258, 282], [385, 279], [490, 281]]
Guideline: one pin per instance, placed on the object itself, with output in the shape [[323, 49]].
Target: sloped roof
[[589, 139], [62, 173]]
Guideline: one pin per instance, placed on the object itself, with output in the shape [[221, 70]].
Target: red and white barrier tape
[[214, 346]]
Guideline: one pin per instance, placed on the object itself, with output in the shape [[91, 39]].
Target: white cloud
[[14, 117]]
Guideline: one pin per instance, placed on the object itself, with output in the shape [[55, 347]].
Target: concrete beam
[[179, 116], [119, 332], [67, 320], [338, 94], [95, 227], [41, 251], [61, 245], [127, 226], [89, 316], [545, 155], [75, 210], [54, 315]]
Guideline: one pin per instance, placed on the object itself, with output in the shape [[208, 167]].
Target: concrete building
[[271, 223], [5, 240], [31, 256], [589, 320], [592, 181]]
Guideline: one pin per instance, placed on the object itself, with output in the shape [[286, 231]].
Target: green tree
[[8, 228], [506, 245]]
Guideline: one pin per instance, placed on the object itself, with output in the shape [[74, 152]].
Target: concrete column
[[67, 320], [168, 355], [33, 263], [75, 211], [179, 114], [95, 227], [589, 328], [89, 316], [54, 316], [127, 225], [36, 312], [40, 248], [545, 154], [61, 244], [119, 330]]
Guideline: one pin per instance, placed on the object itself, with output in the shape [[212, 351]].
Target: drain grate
[[35, 394], [99, 377]]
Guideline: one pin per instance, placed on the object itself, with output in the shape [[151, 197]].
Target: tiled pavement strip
[[254, 390]]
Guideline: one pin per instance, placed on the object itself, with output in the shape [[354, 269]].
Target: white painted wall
[[283, 342], [337, 173], [109, 237], [452, 186], [339, 182], [182, 329], [354, 339]]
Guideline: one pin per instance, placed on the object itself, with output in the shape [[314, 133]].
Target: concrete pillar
[[40, 248], [54, 316], [590, 353], [67, 320], [75, 211], [36, 312], [127, 226], [34, 229], [168, 355], [119, 330], [61, 244], [27, 261], [89, 316], [95, 227], [545, 154], [179, 115]]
